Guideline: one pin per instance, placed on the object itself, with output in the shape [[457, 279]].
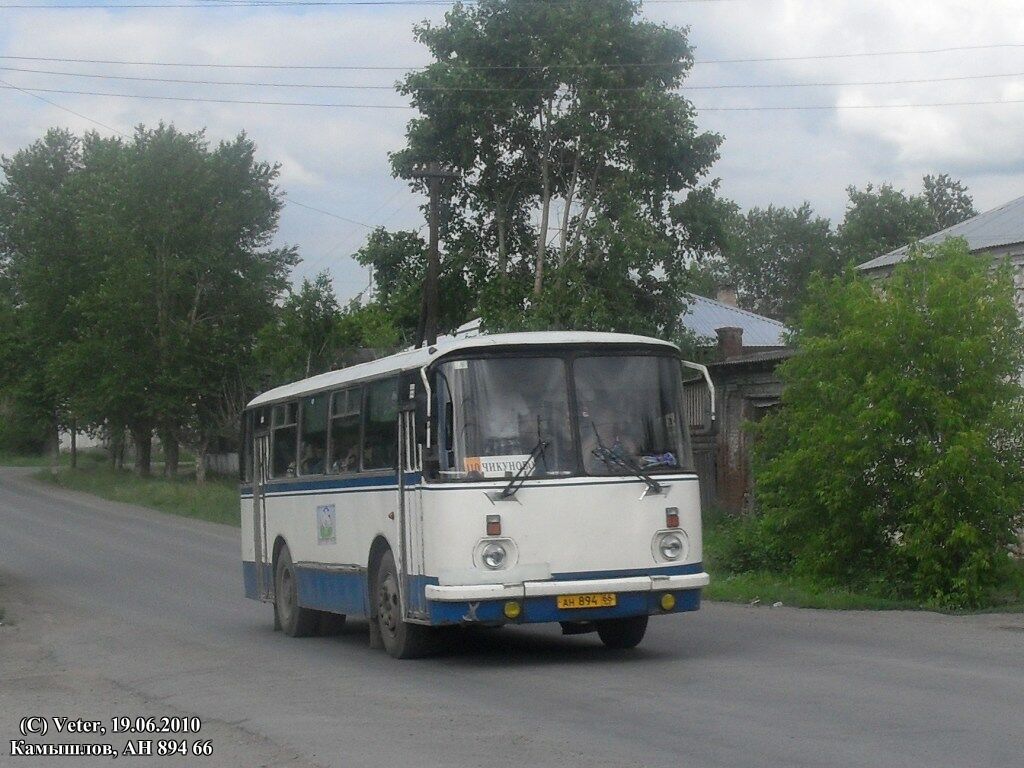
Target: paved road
[[116, 607]]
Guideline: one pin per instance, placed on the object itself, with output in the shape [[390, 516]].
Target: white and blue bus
[[504, 479]]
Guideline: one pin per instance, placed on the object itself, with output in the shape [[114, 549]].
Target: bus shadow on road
[[481, 646]]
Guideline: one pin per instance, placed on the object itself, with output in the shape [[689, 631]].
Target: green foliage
[[883, 219], [773, 255], [138, 273], [515, 103], [215, 501], [303, 338], [898, 455], [399, 262], [948, 199]]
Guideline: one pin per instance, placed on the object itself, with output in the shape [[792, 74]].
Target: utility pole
[[427, 331]]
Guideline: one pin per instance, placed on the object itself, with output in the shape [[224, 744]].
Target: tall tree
[[882, 219], [39, 257], [774, 254], [399, 261], [303, 338], [948, 199], [539, 106], [176, 237]]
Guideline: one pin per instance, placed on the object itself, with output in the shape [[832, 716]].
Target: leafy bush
[[898, 456]]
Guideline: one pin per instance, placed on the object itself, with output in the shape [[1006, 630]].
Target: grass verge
[[731, 557], [215, 501], [23, 460]]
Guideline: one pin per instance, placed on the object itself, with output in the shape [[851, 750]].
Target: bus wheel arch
[[378, 549], [289, 615]]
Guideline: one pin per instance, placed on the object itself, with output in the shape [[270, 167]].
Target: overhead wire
[[486, 89], [467, 67], [409, 107]]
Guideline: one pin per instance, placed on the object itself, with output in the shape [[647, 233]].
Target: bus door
[[260, 476], [410, 515]]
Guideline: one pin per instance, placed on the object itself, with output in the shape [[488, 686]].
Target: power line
[[259, 102], [513, 67], [5, 84], [327, 213], [471, 89]]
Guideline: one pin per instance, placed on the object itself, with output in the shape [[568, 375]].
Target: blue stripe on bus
[[371, 482], [347, 592]]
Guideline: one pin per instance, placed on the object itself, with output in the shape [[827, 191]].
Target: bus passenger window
[[345, 410], [285, 439], [380, 449], [313, 438]]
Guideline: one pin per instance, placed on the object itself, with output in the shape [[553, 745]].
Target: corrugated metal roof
[[992, 229], [764, 356], [704, 315]]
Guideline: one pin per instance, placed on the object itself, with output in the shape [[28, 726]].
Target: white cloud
[[336, 159]]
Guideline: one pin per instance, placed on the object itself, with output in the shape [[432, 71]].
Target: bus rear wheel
[[622, 633], [402, 640], [295, 620]]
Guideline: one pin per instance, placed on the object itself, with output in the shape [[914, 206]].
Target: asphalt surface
[[113, 609]]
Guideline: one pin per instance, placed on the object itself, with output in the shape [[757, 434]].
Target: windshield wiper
[[520, 477], [611, 459]]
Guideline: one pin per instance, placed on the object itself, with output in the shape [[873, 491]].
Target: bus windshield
[[502, 416], [628, 414]]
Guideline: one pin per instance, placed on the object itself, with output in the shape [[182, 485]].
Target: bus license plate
[[594, 600]]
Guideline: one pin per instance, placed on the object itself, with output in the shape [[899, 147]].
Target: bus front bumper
[[538, 601]]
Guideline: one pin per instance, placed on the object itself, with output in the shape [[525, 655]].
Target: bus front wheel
[[622, 633], [295, 620], [402, 640]]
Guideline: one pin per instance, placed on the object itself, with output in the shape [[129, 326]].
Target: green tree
[[398, 261], [181, 276], [303, 338], [879, 220], [773, 255], [538, 105], [897, 459], [42, 275], [948, 199]]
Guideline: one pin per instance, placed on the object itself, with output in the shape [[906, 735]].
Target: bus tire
[[295, 620], [622, 633], [402, 640]]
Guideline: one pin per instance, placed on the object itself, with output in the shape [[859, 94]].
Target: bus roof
[[417, 358]]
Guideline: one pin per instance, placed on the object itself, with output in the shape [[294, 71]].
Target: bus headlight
[[494, 556], [671, 546]]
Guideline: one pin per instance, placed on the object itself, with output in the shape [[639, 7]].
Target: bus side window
[[345, 422], [285, 439], [313, 437], [380, 436]]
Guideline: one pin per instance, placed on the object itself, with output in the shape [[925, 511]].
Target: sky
[[335, 158]]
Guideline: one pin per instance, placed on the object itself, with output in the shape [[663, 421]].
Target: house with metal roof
[[704, 317], [997, 233], [743, 350]]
